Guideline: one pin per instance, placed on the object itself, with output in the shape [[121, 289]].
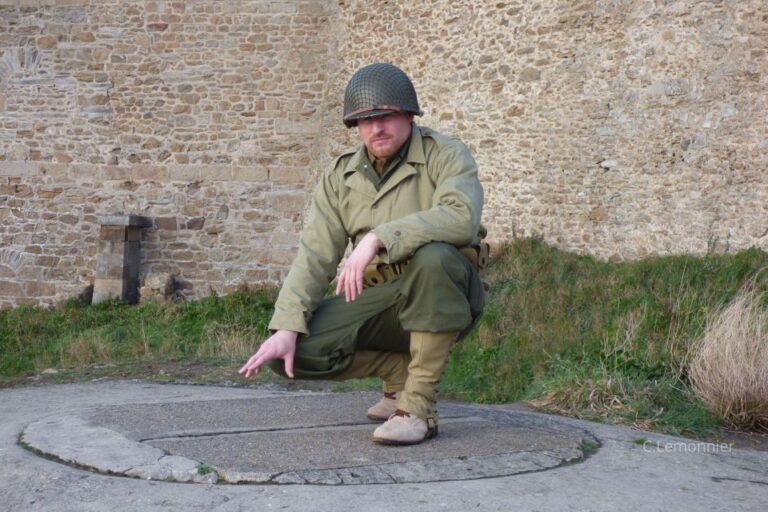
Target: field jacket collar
[[356, 180]]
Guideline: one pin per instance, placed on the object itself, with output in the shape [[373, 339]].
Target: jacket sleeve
[[321, 247], [454, 218]]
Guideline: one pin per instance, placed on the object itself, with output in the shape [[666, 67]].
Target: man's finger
[[340, 284], [288, 360], [346, 284], [359, 283], [252, 368], [256, 360], [351, 285], [247, 365]]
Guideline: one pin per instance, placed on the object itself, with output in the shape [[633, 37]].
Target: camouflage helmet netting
[[378, 89]]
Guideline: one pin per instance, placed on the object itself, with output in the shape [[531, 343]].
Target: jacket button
[[398, 233]]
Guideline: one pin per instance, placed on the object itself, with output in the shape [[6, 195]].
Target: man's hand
[[281, 345], [351, 278]]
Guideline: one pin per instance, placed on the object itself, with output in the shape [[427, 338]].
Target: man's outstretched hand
[[351, 277], [281, 345]]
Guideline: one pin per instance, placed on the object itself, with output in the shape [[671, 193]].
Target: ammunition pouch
[[478, 255], [380, 273]]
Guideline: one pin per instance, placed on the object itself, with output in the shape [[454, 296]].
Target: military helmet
[[376, 90]]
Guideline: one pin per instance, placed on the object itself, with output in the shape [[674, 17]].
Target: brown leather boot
[[391, 367], [403, 428], [384, 408]]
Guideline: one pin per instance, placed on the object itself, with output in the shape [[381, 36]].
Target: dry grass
[[596, 397], [235, 342], [729, 364], [84, 350]]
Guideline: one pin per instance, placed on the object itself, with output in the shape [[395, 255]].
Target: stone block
[[215, 229], [599, 214], [530, 75], [47, 42], [149, 172], [168, 223], [288, 203], [39, 289], [10, 289], [185, 173], [125, 220], [251, 173], [196, 223], [18, 169], [83, 37], [68, 219], [157, 27], [256, 275], [282, 256], [287, 174], [217, 173], [286, 127], [49, 193], [47, 261], [106, 289], [111, 265], [112, 233], [158, 287]]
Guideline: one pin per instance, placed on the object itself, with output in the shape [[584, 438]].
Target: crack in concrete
[[180, 436], [726, 479]]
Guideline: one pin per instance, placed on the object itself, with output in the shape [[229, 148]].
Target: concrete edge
[[71, 440]]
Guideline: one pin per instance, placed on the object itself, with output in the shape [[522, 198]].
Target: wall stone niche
[[117, 263]]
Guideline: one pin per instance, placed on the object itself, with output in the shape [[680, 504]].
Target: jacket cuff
[[288, 320], [393, 239]]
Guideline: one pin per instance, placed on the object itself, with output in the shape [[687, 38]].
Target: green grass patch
[[599, 340], [588, 446], [34, 338], [204, 469]]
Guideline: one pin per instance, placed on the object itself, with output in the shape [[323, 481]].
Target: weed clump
[[729, 363]]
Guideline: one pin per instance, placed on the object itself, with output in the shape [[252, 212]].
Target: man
[[410, 201]]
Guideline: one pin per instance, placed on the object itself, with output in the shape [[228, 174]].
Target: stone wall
[[618, 128], [612, 127], [201, 115]]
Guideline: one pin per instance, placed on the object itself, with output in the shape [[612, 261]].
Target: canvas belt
[[380, 273]]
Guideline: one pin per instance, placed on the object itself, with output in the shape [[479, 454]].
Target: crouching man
[[410, 201]]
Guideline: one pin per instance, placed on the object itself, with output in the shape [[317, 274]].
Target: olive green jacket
[[435, 195]]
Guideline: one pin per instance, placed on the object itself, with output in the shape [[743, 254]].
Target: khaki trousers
[[438, 292]]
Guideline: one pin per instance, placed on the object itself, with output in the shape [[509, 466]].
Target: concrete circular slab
[[301, 438]]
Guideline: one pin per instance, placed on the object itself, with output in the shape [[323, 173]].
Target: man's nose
[[378, 124]]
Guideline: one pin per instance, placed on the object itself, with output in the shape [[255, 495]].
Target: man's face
[[384, 135]]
